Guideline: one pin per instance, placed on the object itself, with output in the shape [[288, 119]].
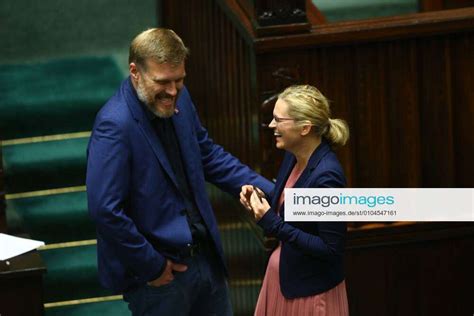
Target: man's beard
[[150, 101]]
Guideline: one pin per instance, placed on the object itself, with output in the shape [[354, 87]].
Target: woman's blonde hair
[[306, 104]]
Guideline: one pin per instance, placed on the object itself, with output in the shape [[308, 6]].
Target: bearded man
[[148, 160]]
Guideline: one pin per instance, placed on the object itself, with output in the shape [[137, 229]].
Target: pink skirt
[[271, 301]]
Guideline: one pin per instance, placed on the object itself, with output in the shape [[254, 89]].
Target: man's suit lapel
[[145, 126]]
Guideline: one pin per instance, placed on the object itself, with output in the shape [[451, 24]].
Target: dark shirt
[[164, 129]]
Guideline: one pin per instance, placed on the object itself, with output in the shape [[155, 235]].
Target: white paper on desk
[[11, 246]]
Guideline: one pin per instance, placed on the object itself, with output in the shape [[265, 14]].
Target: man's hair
[[158, 44]]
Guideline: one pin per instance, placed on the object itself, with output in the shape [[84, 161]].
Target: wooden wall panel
[[403, 114], [409, 105], [324, 68], [411, 271], [436, 122], [329, 71], [370, 117], [219, 77], [274, 74], [462, 61]]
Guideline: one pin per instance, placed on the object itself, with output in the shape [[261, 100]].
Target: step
[[55, 97], [243, 300], [80, 262], [55, 218], [107, 308], [52, 218], [45, 165], [364, 9], [71, 274]]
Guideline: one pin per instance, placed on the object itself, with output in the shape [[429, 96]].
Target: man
[[148, 160]]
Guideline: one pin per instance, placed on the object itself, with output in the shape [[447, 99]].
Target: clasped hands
[[253, 199]]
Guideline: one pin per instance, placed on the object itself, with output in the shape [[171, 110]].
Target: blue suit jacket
[[311, 259], [132, 191]]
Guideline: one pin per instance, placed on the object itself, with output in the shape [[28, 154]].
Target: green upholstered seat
[[72, 274], [47, 99], [107, 308], [52, 218], [55, 97], [45, 165]]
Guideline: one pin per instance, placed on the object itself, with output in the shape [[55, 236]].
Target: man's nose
[[172, 89]]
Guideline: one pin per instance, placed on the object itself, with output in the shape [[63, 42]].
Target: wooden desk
[[21, 285]]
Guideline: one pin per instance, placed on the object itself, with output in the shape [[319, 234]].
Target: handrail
[[401, 26]]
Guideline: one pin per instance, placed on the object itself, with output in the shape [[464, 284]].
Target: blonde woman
[[305, 273]]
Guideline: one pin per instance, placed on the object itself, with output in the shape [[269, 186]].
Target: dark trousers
[[200, 290]]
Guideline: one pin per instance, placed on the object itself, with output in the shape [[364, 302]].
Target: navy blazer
[[133, 194], [311, 259]]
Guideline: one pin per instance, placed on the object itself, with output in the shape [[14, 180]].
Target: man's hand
[[245, 193], [167, 276]]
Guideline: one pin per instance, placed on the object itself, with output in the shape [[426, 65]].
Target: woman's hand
[[259, 205]]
